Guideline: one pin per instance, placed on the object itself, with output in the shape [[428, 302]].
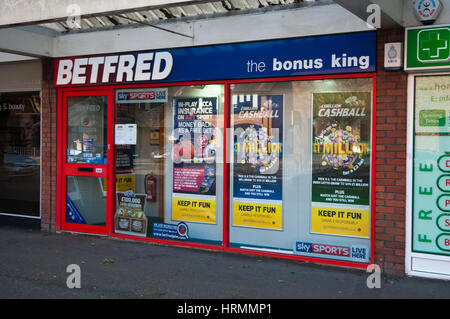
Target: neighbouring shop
[[20, 138], [428, 222], [261, 147]]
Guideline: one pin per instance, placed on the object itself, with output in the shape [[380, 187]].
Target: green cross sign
[[433, 45], [427, 48]]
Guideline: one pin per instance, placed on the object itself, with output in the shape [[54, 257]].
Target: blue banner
[[343, 53], [328, 54]]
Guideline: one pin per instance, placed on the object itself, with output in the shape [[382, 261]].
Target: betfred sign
[[141, 67], [335, 251], [328, 54]]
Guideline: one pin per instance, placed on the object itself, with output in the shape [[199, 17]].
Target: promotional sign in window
[[194, 160], [431, 168], [258, 157], [341, 164], [130, 218], [148, 95], [341, 251]]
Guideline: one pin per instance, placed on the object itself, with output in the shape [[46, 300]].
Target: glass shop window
[[20, 138], [168, 163], [300, 171]]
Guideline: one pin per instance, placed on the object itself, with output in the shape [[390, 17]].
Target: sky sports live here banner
[[330, 54]]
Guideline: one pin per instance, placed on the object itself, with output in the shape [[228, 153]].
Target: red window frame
[[226, 167]]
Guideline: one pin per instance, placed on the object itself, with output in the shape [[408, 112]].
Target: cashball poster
[[341, 163], [257, 162]]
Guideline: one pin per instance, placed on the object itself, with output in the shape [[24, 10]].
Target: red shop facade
[[263, 147]]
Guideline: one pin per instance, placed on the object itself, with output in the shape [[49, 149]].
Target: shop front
[[260, 147], [20, 139], [428, 218]]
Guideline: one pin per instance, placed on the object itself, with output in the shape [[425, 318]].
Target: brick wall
[[48, 148], [390, 189]]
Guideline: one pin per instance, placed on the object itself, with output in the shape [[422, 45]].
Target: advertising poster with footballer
[[341, 163], [194, 159]]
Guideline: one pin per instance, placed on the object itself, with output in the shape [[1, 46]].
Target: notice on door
[[125, 134]]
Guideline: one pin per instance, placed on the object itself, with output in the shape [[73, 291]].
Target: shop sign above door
[[328, 54], [428, 48]]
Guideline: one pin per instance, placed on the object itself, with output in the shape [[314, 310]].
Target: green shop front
[[427, 58]]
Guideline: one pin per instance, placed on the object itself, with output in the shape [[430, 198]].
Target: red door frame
[[71, 169], [226, 168]]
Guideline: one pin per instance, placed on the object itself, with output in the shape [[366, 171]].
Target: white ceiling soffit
[[278, 24], [187, 10], [22, 12], [204, 23]]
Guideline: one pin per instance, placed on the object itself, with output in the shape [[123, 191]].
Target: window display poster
[[194, 159], [341, 163], [257, 163], [130, 218], [431, 166]]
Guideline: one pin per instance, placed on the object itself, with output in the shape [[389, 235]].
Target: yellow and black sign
[[194, 210], [340, 221], [258, 215]]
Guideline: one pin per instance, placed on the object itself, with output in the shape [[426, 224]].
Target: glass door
[[86, 161]]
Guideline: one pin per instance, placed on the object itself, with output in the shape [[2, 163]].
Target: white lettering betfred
[[64, 72], [147, 66]]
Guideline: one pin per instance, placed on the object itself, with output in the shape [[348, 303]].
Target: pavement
[[33, 265]]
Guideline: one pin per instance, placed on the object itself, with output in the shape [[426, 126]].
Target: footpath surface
[[33, 265]]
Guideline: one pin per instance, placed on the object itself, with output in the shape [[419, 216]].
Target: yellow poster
[[340, 221], [124, 182], [194, 210], [258, 215]]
